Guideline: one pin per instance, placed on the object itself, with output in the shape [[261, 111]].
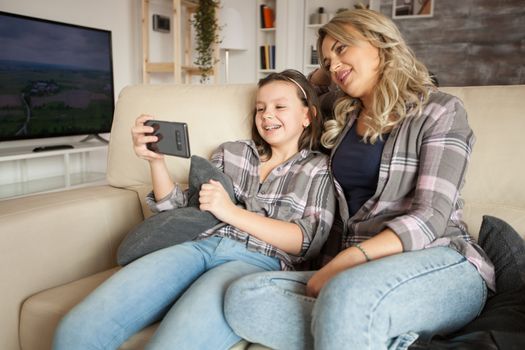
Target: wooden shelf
[[167, 67], [181, 67], [191, 4]]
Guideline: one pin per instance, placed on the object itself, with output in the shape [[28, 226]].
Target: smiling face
[[353, 67], [280, 116]]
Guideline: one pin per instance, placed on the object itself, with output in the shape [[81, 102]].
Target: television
[[56, 79]]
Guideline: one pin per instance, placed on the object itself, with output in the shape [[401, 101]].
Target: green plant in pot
[[206, 35]]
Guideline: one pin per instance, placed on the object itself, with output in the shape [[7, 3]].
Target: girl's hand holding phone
[[140, 139]]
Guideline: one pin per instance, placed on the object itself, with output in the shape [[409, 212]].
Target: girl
[[407, 267], [287, 204]]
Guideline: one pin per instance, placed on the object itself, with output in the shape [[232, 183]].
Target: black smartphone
[[173, 138]]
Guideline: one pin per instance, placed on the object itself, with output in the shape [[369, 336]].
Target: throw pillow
[[178, 225], [506, 250], [505, 310]]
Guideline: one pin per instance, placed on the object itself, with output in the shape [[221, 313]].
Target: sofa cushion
[[506, 250], [179, 225], [505, 310], [42, 312]]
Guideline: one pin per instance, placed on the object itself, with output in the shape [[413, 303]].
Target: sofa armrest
[[55, 238]]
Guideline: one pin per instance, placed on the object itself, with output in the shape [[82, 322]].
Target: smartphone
[[173, 138]]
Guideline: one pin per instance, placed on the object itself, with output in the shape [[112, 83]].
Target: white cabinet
[[23, 171]]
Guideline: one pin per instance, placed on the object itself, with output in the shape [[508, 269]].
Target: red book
[[268, 17]]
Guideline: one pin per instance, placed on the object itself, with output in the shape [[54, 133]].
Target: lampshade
[[232, 33]]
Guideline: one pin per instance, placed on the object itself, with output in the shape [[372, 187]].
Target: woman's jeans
[[194, 274], [383, 304]]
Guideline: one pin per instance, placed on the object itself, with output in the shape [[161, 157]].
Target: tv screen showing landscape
[[56, 79]]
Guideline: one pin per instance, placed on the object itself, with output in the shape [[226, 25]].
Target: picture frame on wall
[[412, 8]]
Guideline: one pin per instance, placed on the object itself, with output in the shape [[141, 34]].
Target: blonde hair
[[403, 81]]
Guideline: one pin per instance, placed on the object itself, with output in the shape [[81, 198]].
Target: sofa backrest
[[494, 184], [214, 114], [219, 113]]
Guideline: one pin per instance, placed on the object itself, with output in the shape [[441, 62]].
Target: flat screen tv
[[56, 79]]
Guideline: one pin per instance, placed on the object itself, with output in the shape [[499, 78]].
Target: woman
[[287, 205], [407, 267]]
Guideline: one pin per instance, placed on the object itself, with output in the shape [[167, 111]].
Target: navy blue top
[[355, 166]]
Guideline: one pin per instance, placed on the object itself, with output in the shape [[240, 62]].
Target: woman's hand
[[214, 198], [346, 259], [383, 244], [140, 139], [319, 280]]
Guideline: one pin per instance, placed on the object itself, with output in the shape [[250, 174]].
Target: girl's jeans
[[383, 304], [184, 285]]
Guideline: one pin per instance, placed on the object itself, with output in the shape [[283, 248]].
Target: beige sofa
[[56, 247]]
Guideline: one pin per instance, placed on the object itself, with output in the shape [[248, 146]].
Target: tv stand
[[77, 165], [96, 137]]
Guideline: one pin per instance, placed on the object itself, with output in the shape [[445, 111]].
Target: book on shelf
[[267, 57], [263, 56], [267, 54], [267, 17], [272, 57]]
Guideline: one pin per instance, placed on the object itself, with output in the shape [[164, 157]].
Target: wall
[[469, 42], [241, 63]]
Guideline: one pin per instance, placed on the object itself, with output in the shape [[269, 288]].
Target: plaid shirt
[[422, 171], [300, 191]]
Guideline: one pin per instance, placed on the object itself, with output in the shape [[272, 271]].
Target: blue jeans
[[184, 285], [384, 304]]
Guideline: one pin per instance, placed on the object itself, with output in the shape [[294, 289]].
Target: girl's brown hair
[[311, 136]]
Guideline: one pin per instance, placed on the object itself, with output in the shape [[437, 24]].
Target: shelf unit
[[312, 24], [266, 37], [75, 169], [310, 37], [182, 66]]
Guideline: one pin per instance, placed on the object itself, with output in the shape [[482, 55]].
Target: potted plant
[[206, 35]]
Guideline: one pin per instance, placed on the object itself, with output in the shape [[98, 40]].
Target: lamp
[[232, 34]]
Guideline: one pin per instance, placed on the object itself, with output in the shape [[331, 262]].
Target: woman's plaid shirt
[[422, 171]]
